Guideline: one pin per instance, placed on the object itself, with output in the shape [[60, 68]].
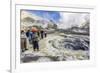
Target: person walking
[[42, 34], [28, 33], [35, 42], [30, 36], [23, 41], [45, 33], [38, 33]]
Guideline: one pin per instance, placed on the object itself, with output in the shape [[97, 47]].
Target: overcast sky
[[68, 20], [63, 19]]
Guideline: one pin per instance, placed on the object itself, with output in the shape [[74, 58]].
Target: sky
[[50, 15], [62, 19], [73, 19]]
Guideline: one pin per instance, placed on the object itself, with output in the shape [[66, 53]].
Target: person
[[38, 33], [45, 33], [28, 33], [35, 42], [30, 36], [23, 41], [42, 34]]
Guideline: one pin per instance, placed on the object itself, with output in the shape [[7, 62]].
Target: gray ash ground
[[59, 47], [72, 42]]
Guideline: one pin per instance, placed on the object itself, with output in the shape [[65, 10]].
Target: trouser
[[23, 43], [42, 36], [45, 35], [35, 45]]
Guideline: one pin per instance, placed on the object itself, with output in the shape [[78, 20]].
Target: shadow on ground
[[27, 59]]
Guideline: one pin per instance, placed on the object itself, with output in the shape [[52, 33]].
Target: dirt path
[[44, 54], [48, 52], [43, 46], [42, 49]]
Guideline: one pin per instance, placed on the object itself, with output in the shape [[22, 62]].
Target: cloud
[[72, 19]]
